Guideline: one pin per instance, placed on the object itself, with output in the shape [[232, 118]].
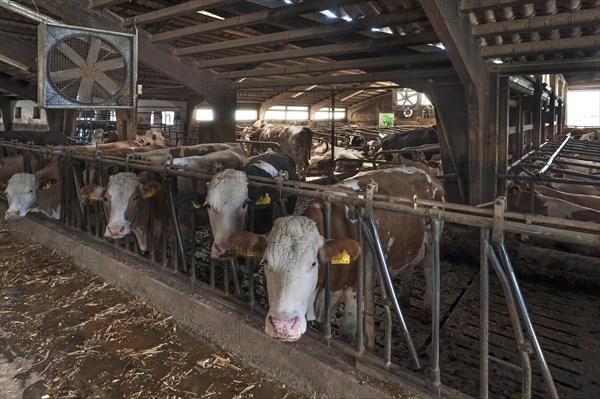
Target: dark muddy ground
[[65, 334]]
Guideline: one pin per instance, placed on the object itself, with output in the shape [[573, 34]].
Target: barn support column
[[560, 114], [6, 108], [190, 116], [126, 123], [538, 122], [552, 114], [223, 102], [503, 130], [62, 120]]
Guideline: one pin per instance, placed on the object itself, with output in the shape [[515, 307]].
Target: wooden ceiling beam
[[263, 16], [377, 21], [106, 3], [19, 88], [568, 45], [177, 10], [545, 22], [330, 49], [363, 63], [395, 76], [18, 50], [549, 66], [367, 102]]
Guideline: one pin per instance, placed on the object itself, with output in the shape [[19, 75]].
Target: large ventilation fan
[[86, 68]]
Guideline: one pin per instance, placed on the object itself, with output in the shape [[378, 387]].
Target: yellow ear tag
[[150, 193], [342, 258], [196, 205], [46, 186], [264, 200], [94, 197], [253, 254]]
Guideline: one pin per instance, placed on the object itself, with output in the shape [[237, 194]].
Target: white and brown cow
[[39, 192], [295, 246], [127, 202], [166, 154], [295, 141]]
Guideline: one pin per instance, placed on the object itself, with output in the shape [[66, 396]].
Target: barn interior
[[495, 78]]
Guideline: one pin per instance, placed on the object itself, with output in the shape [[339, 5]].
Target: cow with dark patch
[[295, 141], [412, 138]]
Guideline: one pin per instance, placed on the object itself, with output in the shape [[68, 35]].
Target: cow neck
[[138, 210]]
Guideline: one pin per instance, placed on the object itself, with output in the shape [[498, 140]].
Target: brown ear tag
[[341, 258], [253, 254], [264, 200]]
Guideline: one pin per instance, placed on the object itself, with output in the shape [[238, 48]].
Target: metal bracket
[[371, 190], [282, 176], [526, 347], [498, 226]]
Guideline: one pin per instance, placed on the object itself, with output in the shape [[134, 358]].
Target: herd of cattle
[[290, 248]]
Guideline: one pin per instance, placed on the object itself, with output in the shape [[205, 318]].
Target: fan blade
[[71, 54], [110, 65], [107, 83], [93, 50], [67, 74], [84, 93]]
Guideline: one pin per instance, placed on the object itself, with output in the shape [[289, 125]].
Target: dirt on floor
[[67, 334]]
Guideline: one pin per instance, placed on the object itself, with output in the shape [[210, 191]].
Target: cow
[[347, 160], [295, 141], [588, 201], [51, 137], [150, 137], [39, 192], [228, 198], [165, 154], [412, 138], [295, 248], [126, 199]]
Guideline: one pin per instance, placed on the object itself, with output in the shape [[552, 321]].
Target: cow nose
[[115, 230], [284, 326], [12, 214], [218, 250]]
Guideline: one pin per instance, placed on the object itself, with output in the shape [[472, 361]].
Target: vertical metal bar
[[519, 133], [435, 309], [225, 277], [63, 180], [523, 349], [211, 273], [537, 349], [250, 263], [360, 288], [371, 232], [165, 213], [151, 227], [484, 315], [327, 321], [236, 283], [193, 242], [369, 297], [332, 160], [179, 241]]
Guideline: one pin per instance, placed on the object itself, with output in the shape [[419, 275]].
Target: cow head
[[290, 256], [123, 198], [21, 192]]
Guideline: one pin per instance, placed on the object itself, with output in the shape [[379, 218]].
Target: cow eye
[[206, 205], [314, 265]]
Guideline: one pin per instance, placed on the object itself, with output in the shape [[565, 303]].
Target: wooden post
[[538, 122], [560, 114], [503, 131], [126, 123], [6, 108], [552, 116], [520, 128]]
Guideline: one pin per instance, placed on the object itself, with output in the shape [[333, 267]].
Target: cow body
[[39, 192], [587, 201], [296, 245], [412, 138], [295, 141], [165, 154]]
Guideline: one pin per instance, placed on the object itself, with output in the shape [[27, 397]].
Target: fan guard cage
[[86, 68]]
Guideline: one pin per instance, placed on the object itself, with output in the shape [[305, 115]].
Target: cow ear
[[340, 251], [150, 189], [189, 201], [246, 244], [45, 183], [93, 192]]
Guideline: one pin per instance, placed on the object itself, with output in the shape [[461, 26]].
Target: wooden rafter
[[475, 5], [177, 10], [330, 49], [368, 102], [568, 45], [363, 63], [549, 66], [258, 17], [105, 3], [403, 76], [545, 22], [23, 89], [18, 50], [411, 16]]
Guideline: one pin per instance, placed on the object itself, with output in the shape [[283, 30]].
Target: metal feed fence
[[90, 221]]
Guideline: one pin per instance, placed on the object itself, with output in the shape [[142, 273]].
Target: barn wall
[[28, 120]]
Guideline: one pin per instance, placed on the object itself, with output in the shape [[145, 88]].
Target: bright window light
[[287, 113], [325, 114], [246, 115], [167, 118], [383, 30], [329, 14], [288, 1], [583, 108], [204, 114], [210, 14]]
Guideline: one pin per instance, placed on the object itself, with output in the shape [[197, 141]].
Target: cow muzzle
[[219, 251], [11, 215], [283, 328], [116, 230]]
